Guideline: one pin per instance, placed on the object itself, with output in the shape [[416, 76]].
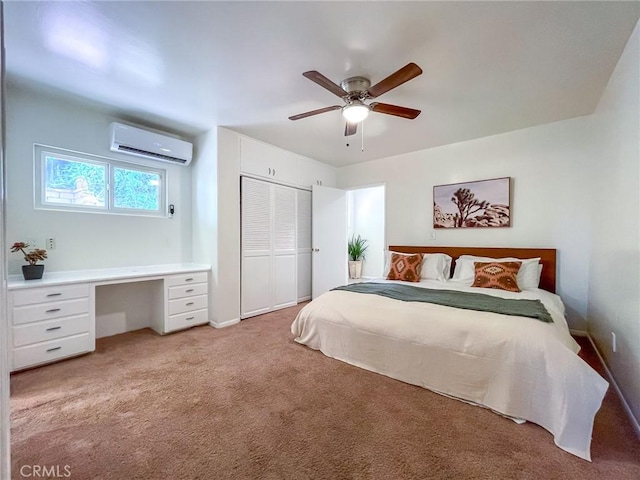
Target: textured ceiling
[[489, 67]]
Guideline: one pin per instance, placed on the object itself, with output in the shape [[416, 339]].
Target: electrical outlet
[[614, 347], [433, 235], [50, 243]]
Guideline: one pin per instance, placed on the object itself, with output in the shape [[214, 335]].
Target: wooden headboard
[[547, 257]]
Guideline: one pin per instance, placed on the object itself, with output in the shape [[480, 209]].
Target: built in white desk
[[55, 317]]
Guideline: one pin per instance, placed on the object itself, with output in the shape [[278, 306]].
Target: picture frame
[[476, 204]]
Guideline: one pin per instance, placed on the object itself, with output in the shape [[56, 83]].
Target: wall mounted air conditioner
[[146, 144]]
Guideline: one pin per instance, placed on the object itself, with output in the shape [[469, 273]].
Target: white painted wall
[[216, 221], [83, 240], [614, 276], [551, 192], [366, 218]]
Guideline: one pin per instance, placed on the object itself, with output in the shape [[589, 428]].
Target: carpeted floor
[[246, 402]]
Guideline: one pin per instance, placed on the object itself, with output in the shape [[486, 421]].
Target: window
[[81, 182]]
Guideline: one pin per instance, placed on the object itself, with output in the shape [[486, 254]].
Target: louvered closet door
[[256, 247], [303, 208], [284, 247]]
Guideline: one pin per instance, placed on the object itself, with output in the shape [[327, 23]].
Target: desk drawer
[[186, 279], [188, 304], [50, 330], [50, 351], [47, 311], [188, 290], [186, 320], [30, 296]]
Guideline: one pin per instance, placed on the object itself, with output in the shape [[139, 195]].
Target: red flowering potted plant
[[33, 271]]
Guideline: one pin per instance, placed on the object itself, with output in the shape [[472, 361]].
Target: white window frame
[[40, 152]]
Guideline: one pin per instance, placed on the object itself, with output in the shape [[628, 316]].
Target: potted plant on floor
[[33, 271], [356, 248]]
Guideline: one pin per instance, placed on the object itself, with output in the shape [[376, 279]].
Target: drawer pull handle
[[188, 279], [51, 329], [52, 310], [54, 294], [188, 290], [53, 349], [189, 304], [190, 318]]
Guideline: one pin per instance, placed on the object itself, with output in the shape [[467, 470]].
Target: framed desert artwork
[[483, 203]]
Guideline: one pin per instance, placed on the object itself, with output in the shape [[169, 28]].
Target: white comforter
[[517, 366]]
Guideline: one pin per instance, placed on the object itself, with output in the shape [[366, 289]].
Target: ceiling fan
[[355, 90]]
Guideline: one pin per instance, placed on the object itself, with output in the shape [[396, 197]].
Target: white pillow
[[539, 275], [528, 275], [435, 266]]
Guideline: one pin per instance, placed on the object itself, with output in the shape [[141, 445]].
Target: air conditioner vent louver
[[146, 144], [124, 148]]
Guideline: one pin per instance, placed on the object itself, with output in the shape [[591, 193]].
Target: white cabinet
[[57, 320], [50, 323], [260, 159], [186, 301], [269, 263], [312, 173], [264, 160]]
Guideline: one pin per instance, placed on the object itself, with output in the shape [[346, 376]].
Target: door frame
[[5, 439], [385, 243]]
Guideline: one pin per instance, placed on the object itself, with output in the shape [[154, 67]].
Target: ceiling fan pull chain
[[362, 136]]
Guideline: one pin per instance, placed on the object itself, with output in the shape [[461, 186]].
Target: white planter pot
[[355, 268]]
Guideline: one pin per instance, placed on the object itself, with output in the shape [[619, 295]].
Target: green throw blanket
[[451, 298]]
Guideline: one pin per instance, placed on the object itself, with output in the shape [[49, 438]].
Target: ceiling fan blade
[[406, 73], [350, 129], [324, 82], [315, 112], [396, 110]]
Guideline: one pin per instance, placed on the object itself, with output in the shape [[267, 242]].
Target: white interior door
[[329, 234]]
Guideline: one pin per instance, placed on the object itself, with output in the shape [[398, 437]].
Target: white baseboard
[[228, 323], [612, 380]]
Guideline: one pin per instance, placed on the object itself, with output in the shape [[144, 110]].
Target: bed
[[517, 366]]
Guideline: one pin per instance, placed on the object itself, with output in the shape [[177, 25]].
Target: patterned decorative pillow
[[405, 267], [502, 275]]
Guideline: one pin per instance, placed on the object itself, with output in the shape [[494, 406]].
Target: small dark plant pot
[[32, 272]]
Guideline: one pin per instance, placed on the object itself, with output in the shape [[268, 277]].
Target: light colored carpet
[[246, 402]]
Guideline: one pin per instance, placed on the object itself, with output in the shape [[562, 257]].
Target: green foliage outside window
[[136, 189], [87, 183], [66, 175]]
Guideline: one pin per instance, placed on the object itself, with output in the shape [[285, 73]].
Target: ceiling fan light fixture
[[355, 112]]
